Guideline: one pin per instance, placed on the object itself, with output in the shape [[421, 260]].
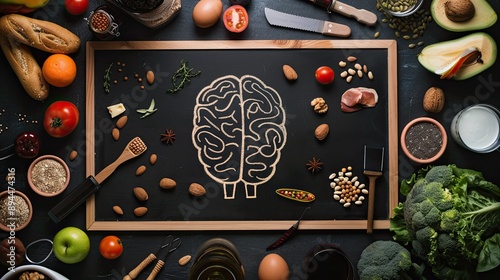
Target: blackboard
[[176, 209]]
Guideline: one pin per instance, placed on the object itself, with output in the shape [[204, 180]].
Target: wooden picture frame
[[392, 136]]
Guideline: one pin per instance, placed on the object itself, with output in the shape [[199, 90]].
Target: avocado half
[[435, 56], [484, 17]]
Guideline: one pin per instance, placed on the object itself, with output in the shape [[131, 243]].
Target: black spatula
[[373, 165]]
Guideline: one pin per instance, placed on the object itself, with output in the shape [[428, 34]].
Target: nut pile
[[100, 22], [347, 189], [411, 27], [356, 70]]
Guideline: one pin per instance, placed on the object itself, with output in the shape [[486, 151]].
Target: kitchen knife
[[361, 15], [308, 24]]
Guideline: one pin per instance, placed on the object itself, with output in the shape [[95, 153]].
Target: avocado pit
[[459, 10]]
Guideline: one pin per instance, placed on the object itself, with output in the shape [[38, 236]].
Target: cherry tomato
[[235, 18], [325, 75], [111, 247], [27, 145], [76, 7], [61, 118]]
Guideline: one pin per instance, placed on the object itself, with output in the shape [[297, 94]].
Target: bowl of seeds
[[423, 140], [399, 8], [15, 210], [48, 175]]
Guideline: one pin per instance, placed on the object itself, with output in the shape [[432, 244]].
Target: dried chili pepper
[[287, 233]]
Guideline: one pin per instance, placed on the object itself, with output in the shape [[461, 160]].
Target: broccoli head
[[384, 260], [442, 174]]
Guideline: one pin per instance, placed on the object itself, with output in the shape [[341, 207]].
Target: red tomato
[[324, 75], [235, 18], [61, 118], [111, 247], [76, 7]]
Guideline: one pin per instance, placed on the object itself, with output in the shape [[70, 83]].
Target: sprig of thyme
[[184, 73], [107, 78], [148, 111]]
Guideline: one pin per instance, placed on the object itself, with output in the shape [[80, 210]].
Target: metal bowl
[[398, 9]]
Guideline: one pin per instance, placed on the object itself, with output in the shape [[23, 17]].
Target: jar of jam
[[103, 23]]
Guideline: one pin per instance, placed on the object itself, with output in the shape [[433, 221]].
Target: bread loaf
[[43, 35], [25, 66]]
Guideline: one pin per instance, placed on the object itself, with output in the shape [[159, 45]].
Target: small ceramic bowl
[[30, 210], [420, 146], [16, 273], [61, 185]]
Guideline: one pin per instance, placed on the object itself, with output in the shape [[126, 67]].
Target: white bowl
[[14, 274]]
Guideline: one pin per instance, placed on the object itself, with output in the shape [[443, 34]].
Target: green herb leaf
[[149, 111], [183, 73], [152, 105], [107, 78]]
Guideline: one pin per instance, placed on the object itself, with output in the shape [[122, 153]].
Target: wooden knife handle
[[336, 29], [361, 15], [371, 203], [159, 265]]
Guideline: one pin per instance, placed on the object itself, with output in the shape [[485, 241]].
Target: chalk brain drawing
[[239, 131]]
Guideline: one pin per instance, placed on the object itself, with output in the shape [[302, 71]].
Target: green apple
[[71, 245]]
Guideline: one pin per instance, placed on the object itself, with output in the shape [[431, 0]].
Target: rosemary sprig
[[184, 73], [107, 78], [148, 111]]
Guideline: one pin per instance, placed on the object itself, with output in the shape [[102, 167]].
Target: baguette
[[25, 67], [43, 35]]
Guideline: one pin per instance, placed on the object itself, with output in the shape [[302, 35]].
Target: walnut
[[319, 105], [459, 10], [433, 101], [30, 275]]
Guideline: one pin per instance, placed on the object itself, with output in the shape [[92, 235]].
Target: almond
[[167, 183], [115, 133], [140, 211], [433, 101], [290, 73], [73, 155], [121, 122], [322, 131], [184, 260], [153, 158], [140, 170], [118, 210], [150, 77], [140, 193], [196, 189]]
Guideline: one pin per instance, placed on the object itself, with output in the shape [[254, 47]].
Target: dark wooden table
[[413, 81]]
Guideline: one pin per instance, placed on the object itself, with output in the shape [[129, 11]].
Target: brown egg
[[207, 13], [273, 267]]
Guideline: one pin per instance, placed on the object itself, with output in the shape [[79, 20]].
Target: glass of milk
[[477, 128]]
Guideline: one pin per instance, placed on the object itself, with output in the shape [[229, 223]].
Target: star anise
[[168, 137], [314, 165]]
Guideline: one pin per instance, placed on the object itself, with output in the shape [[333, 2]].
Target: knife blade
[[324, 27], [361, 15]]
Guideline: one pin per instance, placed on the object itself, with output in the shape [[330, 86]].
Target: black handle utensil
[[373, 165]]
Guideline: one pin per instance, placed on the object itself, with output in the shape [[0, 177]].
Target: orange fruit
[[59, 70]]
